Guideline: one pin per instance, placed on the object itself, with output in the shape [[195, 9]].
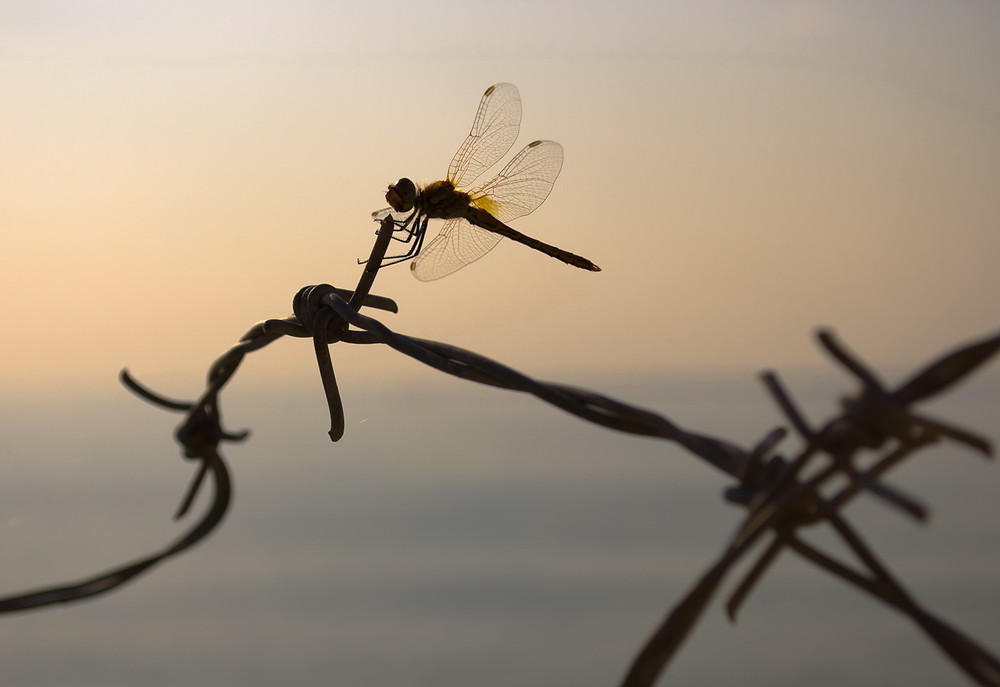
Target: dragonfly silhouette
[[476, 218]]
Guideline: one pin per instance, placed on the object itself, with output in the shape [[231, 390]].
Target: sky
[[172, 172], [744, 172]]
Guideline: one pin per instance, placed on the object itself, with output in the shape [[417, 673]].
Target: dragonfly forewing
[[494, 131]]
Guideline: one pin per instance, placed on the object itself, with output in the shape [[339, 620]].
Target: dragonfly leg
[[417, 230], [409, 229], [402, 226]]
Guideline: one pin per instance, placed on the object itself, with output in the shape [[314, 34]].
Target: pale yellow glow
[[742, 174]]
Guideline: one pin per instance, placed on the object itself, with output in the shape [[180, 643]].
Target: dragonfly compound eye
[[402, 195]]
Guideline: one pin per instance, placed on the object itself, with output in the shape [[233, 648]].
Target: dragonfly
[[476, 219]]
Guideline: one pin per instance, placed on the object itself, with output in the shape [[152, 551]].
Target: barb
[[200, 438], [780, 505]]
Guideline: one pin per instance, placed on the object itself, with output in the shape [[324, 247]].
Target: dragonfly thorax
[[441, 200]]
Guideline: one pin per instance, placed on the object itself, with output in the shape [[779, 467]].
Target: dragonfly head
[[402, 195]]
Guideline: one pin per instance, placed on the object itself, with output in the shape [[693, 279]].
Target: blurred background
[[172, 172]]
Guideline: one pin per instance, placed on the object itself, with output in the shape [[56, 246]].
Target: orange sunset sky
[[172, 172]]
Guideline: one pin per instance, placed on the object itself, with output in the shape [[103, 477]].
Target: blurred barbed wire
[[783, 494]]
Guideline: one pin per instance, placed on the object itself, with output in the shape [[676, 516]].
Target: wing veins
[[497, 123]]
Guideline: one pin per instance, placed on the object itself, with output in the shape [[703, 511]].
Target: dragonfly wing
[[493, 133], [456, 245], [523, 184]]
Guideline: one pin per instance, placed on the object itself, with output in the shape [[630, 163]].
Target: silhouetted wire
[[779, 504], [782, 495], [111, 579], [199, 434]]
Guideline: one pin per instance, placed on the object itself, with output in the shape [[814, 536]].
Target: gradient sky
[[172, 172]]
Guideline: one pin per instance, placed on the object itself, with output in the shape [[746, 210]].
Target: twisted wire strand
[[588, 405]]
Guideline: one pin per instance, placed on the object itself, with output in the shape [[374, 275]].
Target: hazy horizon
[[460, 533]]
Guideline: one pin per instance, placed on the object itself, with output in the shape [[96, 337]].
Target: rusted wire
[[783, 496]]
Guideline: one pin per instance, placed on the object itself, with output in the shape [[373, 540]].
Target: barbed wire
[[783, 495]]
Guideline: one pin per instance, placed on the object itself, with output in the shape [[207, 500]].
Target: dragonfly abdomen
[[485, 220]]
